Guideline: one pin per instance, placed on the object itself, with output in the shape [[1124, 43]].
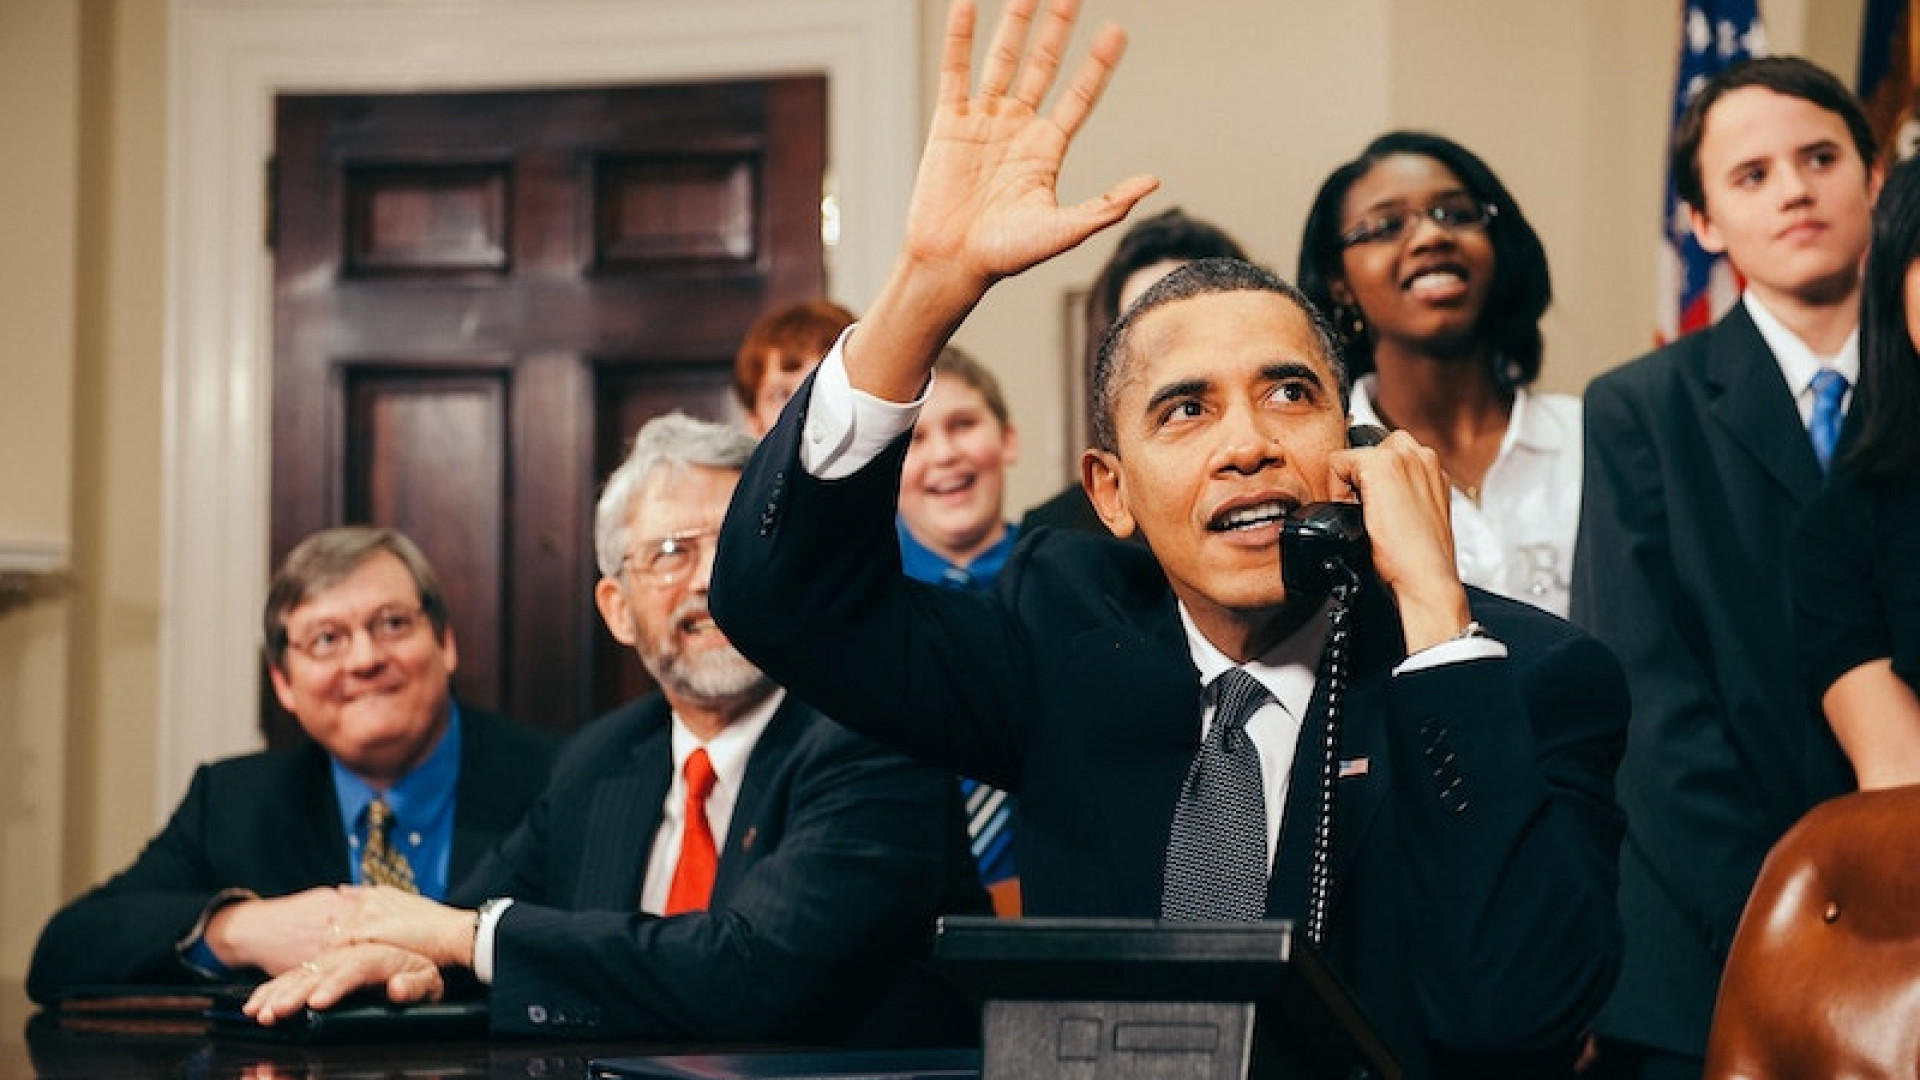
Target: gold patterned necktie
[[380, 863]]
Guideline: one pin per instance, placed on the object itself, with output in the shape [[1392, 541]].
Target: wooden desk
[[31, 1046]]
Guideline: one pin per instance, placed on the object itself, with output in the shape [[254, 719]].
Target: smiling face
[[953, 486], [1788, 198], [1425, 289], [1225, 413], [381, 706], [663, 614]]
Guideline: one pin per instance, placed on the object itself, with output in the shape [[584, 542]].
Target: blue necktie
[[1829, 389]]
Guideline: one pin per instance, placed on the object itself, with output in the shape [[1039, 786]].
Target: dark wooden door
[[478, 298]]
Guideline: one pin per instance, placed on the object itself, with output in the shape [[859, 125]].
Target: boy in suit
[[242, 879], [1697, 457], [1157, 709], [715, 861]]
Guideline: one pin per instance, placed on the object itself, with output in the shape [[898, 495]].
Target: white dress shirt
[[1517, 540]]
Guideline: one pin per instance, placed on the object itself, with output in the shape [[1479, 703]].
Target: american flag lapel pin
[[1352, 767]]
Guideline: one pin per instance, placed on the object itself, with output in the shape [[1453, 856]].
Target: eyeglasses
[[1388, 226], [331, 640], [667, 561]]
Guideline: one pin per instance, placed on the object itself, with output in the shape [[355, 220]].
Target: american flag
[[1696, 288]]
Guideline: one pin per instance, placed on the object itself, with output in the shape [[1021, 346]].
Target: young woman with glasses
[[1436, 284]]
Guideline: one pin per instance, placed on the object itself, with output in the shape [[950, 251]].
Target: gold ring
[[310, 966]]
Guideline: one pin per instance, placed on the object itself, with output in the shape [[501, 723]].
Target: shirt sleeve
[[490, 913], [1458, 650], [846, 429]]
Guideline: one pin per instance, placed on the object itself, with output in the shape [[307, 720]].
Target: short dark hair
[[329, 557], [1888, 397], [1522, 287], [1789, 75], [792, 336], [1170, 234], [1198, 278]]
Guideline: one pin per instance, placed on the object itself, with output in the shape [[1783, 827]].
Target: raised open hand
[[986, 200], [985, 203]]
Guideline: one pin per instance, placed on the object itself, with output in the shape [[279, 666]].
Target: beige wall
[[82, 111], [39, 123], [1242, 113], [1240, 106]]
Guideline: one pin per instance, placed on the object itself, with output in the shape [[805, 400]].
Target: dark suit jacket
[[268, 822], [1696, 462], [1474, 922], [838, 858]]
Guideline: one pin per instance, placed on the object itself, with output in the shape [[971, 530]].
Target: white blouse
[[1518, 539]]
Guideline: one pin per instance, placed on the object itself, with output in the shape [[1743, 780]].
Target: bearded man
[[716, 861]]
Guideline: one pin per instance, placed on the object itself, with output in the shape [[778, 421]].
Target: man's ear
[[1107, 489], [1705, 232], [450, 650], [1009, 445], [614, 611], [282, 689]]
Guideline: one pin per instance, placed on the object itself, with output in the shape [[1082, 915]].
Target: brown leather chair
[[1823, 979]]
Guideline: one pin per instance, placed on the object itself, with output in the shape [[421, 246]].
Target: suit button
[[536, 1014]]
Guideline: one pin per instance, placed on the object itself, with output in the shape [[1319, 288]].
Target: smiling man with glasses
[[717, 860], [399, 782]]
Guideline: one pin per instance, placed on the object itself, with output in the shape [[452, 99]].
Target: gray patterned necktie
[[1217, 856]]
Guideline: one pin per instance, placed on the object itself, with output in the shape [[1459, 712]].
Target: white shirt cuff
[[847, 428], [483, 938], [1453, 651]]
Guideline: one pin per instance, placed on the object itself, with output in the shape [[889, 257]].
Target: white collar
[[729, 749], [1798, 364], [1287, 670]]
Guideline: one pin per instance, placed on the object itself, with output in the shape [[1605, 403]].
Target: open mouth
[[1251, 516], [953, 485], [1441, 282]]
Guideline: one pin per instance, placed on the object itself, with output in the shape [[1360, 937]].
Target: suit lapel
[[1372, 650], [1751, 402], [1376, 648], [623, 817], [1144, 696], [316, 829], [744, 841]]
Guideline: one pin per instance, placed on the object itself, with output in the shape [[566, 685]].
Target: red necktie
[[693, 875]]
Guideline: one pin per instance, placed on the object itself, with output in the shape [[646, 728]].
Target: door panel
[[478, 298]]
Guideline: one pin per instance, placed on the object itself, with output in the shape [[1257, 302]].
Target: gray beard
[[714, 677]]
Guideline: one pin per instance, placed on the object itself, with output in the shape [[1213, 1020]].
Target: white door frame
[[227, 61]]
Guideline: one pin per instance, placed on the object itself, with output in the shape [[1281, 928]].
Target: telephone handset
[[1324, 544], [1324, 552]]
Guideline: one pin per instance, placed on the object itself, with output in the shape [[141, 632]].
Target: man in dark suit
[[1471, 905], [829, 857], [242, 878], [1697, 457]]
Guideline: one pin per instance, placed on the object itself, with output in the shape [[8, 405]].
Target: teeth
[[1250, 517], [699, 626], [1436, 277]]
